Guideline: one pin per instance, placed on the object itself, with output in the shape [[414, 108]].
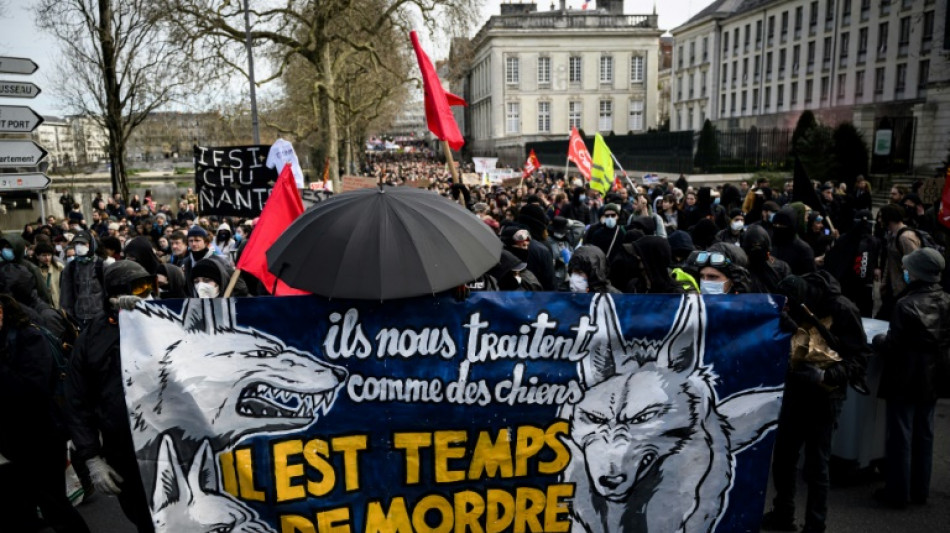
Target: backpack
[[59, 350], [926, 239]]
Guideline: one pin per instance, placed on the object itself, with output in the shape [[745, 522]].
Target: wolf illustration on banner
[[653, 446], [649, 446]]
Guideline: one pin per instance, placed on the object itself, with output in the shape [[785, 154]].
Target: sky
[[20, 38]]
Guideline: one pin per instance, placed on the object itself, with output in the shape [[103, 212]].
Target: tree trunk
[[113, 111], [332, 137]]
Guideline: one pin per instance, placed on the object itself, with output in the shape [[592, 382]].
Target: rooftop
[[566, 20]]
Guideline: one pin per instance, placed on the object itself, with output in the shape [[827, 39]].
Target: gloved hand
[[126, 301], [809, 373], [103, 477]]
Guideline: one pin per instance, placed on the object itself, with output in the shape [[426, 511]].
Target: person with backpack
[[915, 351], [80, 291], [33, 438], [899, 241]]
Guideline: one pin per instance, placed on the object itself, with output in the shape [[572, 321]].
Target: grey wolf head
[[249, 381], [193, 502], [650, 419]]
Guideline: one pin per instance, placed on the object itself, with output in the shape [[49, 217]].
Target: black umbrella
[[380, 244]]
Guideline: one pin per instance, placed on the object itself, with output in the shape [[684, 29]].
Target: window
[[744, 101], [927, 32], [679, 57], [756, 66], [809, 90], [636, 69], [811, 55], [768, 65], [755, 99], [758, 34], [879, 80], [732, 103], [606, 122], [574, 115], [796, 54], [735, 71], [781, 62], [826, 52], [635, 122], [900, 82], [768, 97], [780, 96], [813, 17], [903, 36], [725, 42], [725, 73], [705, 48], [882, 39], [865, 9], [544, 116], [846, 12], [784, 25], [829, 12], [885, 7], [862, 44], [544, 70], [692, 53], [692, 83], [722, 105], [574, 69], [512, 72], [513, 117], [845, 44], [793, 94], [799, 15], [679, 87], [702, 77], [748, 37], [842, 82], [824, 88], [923, 73], [771, 29], [735, 40], [606, 69], [858, 84]]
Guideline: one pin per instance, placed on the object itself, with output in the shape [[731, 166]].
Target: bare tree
[[326, 35], [118, 65]]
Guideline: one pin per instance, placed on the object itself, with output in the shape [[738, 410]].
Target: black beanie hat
[[532, 216], [44, 248]]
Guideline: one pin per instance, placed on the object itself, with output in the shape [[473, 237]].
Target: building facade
[[744, 63], [55, 135], [532, 76]]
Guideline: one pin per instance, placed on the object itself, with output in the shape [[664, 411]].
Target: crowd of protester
[[70, 275]]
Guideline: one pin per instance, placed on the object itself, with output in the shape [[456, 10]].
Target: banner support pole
[[232, 283]]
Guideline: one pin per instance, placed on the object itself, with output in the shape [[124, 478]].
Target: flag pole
[[451, 162], [632, 186], [232, 283], [567, 170]]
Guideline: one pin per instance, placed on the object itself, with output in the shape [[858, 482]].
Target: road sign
[[18, 89], [18, 119], [17, 65], [28, 181], [20, 154]]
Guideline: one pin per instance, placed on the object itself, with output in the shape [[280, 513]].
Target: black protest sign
[[232, 180]]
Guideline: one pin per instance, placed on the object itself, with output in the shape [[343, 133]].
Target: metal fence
[[753, 150]]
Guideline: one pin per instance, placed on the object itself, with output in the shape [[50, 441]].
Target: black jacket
[[919, 334], [95, 400], [591, 261]]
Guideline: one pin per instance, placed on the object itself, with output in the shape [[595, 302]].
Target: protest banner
[[504, 412], [232, 180]]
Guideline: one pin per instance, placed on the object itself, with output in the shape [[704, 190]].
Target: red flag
[[438, 113], [944, 214], [531, 165], [577, 152], [282, 208]]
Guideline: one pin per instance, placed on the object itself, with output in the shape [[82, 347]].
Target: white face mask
[[737, 225], [81, 250], [578, 283], [206, 290], [610, 222], [712, 287], [518, 279]]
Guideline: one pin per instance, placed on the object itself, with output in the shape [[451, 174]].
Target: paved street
[[851, 508]]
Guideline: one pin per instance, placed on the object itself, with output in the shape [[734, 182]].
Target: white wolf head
[[193, 503], [226, 380], [649, 401]]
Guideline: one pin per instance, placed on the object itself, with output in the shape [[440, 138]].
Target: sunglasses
[[713, 259], [610, 215], [142, 287]]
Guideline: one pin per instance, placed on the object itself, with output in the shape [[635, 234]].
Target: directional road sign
[[18, 89], [17, 65], [18, 119], [28, 181], [20, 153]]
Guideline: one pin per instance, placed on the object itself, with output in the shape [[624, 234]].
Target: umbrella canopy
[[380, 244]]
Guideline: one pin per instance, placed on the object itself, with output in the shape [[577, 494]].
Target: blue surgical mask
[[907, 277], [582, 197], [7, 254], [712, 287], [610, 222], [771, 216], [238, 237], [716, 201]]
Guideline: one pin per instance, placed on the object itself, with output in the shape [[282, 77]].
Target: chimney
[[563, 5]]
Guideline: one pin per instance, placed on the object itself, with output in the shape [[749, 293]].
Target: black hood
[[176, 281], [592, 261], [140, 250], [656, 255]]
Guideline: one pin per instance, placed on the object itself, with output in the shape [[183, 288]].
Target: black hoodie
[[591, 261], [788, 246]]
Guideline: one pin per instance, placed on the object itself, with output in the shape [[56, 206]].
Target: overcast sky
[[20, 38]]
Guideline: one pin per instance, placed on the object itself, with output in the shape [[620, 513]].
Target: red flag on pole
[[281, 209], [577, 152], [439, 115], [530, 165], [944, 214]]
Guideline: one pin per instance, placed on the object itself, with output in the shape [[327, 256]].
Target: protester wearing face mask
[[13, 255], [81, 293], [209, 278], [50, 267], [768, 213], [224, 245], [608, 233], [721, 270], [733, 233], [588, 271]]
